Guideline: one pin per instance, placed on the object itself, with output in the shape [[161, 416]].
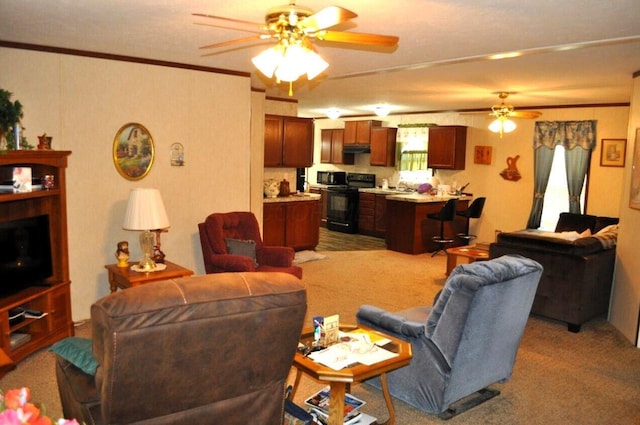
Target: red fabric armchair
[[218, 228]]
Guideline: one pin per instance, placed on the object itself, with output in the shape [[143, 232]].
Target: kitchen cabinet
[[372, 214], [294, 224], [288, 141], [331, 149], [19, 338], [366, 213], [273, 224], [381, 215], [358, 133], [447, 147], [383, 146], [322, 205]]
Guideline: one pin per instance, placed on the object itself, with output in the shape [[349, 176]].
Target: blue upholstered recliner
[[467, 341]]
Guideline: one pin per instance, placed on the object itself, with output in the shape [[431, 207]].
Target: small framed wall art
[[133, 151], [612, 152], [482, 155]]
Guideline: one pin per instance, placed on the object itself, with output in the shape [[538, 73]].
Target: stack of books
[[319, 408]]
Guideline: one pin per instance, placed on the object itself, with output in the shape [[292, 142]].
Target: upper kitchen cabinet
[[383, 146], [288, 141], [358, 133], [331, 151], [447, 147]]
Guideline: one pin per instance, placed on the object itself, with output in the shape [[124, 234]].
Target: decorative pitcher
[[271, 188]]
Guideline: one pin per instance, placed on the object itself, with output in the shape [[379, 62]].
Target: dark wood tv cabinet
[[54, 297]]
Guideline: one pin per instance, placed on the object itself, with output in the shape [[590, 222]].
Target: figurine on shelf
[[122, 254], [44, 141]]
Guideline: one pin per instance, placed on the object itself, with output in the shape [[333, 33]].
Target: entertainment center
[[42, 289]]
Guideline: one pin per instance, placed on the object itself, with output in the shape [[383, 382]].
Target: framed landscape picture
[[133, 151], [612, 152]]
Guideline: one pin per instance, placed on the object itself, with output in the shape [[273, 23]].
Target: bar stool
[[446, 213], [473, 211]]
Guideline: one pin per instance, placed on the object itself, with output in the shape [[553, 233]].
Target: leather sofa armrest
[[232, 263], [276, 256]]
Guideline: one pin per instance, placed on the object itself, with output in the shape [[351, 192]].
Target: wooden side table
[[124, 277], [340, 379], [471, 252]]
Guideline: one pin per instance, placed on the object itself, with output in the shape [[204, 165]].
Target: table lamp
[[145, 211]]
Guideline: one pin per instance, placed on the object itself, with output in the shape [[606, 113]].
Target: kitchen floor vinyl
[[337, 241]]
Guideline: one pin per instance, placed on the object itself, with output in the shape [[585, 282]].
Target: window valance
[[569, 134]]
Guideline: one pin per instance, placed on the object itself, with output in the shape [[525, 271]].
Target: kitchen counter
[[293, 198], [381, 191], [423, 197]]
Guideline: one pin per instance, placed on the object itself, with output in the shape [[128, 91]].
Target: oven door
[[342, 210]]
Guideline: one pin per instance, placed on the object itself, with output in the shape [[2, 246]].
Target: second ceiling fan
[[502, 114]]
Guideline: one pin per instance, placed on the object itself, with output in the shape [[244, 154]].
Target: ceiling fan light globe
[[293, 64], [502, 125], [508, 126], [495, 126], [315, 64], [268, 61]]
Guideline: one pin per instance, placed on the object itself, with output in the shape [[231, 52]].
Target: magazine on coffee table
[[320, 403]]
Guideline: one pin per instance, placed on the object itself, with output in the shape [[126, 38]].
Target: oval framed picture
[[133, 151]]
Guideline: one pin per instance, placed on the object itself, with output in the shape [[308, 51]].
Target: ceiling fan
[[507, 111], [294, 28], [503, 112]]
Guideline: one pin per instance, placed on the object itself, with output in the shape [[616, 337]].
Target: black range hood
[[356, 149]]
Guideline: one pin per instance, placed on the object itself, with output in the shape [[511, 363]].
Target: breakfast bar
[[411, 232]]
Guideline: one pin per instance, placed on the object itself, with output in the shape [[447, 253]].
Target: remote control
[[32, 312]]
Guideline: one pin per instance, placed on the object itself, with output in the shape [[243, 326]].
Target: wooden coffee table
[[339, 379], [471, 252]]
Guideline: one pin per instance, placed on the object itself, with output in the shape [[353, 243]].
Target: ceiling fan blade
[[232, 42], [228, 27], [232, 24], [358, 38], [327, 17], [525, 114]]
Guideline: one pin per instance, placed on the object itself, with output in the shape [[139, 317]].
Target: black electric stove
[[342, 202]]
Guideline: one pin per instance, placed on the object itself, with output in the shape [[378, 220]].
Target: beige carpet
[[592, 377]]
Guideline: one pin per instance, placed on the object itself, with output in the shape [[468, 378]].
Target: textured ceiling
[[571, 52]]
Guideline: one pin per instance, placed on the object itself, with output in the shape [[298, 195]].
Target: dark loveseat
[[578, 268]]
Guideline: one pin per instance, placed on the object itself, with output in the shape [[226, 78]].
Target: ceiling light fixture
[[333, 113], [382, 110], [289, 60], [501, 125]]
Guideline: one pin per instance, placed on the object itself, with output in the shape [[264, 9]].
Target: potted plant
[[10, 114]]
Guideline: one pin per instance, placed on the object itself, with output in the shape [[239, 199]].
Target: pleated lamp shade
[[145, 210]]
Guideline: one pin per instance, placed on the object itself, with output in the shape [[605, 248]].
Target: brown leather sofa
[[576, 283], [212, 349]]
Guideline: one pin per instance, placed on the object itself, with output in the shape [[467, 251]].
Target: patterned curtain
[[413, 160], [411, 146], [578, 138]]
